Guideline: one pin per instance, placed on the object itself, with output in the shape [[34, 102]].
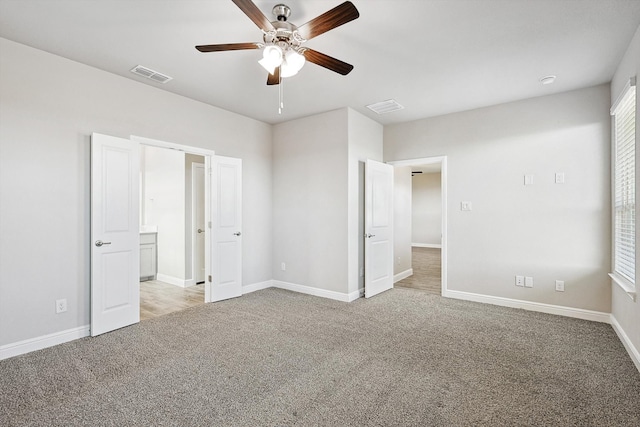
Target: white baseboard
[[171, 280], [246, 289], [38, 343], [631, 349], [578, 313], [426, 245], [402, 275], [309, 290], [352, 296], [190, 282]]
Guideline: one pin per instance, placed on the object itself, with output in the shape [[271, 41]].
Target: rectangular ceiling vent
[[150, 74], [384, 107]]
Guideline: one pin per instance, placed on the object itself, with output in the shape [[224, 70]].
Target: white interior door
[[115, 238], [199, 222], [378, 226], [227, 228]]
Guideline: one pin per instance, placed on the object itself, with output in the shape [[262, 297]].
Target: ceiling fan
[[284, 53]]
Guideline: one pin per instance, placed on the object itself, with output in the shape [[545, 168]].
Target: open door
[[115, 238], [198, 203], [378, 226], [227, 228]]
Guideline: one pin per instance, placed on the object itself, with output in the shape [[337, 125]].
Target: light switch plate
[[465, 206], [528, 282], [528, 180]]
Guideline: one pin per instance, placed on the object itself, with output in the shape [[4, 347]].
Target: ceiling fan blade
[[227, 46], [328, 62], [337, 16], [274, 79], [251, 10]]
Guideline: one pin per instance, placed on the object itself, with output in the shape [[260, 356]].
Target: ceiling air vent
[[150, 74], [384, 107]]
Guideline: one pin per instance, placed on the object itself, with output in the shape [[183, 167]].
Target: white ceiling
[[432, 56]]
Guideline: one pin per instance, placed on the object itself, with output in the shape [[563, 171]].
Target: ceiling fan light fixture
[[292, 63], [271, 58]]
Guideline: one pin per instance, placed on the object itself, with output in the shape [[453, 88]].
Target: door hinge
[[209, 279]]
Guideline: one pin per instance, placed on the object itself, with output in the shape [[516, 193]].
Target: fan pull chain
[[280, 96]]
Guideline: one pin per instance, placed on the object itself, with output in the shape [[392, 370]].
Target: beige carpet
[[278, 358], [427, 271]]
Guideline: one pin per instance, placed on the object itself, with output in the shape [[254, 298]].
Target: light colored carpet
[[278, 358], [427, 271]]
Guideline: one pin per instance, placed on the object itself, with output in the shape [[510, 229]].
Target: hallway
[[427, 271]]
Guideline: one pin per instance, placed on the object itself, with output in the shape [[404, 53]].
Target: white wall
[[426, 210], [402, 219], [624, 310], [548, 231], [47, 119], [164, 208]]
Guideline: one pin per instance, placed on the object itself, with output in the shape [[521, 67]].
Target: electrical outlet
[[559, 177], [283, 266], [560, 285], [519, 280], [528, 180], [466, 206], [528, 282], [61, 305]]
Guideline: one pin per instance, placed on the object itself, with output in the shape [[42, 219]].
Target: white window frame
[[623, 200]]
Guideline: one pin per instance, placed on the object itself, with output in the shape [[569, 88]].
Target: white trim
[[247, 289], [339, 296], [171, 280], [625, 285], [356, 294], [403, 275], [189, 282], [630, 83], [578, 313], [164, 144], [422, 161], [44, 341], [426, 245], [631, 349], [309, 290]]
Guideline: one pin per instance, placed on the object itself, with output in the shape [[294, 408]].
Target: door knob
[[368, 236], [237, 233], [200, 230], [100, 243]]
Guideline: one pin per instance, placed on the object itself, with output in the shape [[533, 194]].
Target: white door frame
[[208, 161], [443, 162]]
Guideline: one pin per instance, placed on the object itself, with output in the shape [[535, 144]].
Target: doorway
[[172, 189], [116, 237], [420, 241]]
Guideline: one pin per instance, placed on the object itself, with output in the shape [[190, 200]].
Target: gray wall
[[47, 119], [310, 201], [318, 198], [365, 142], [547, 230], [624, 310]]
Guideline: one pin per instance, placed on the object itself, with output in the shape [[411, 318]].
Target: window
[[624, 185]]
